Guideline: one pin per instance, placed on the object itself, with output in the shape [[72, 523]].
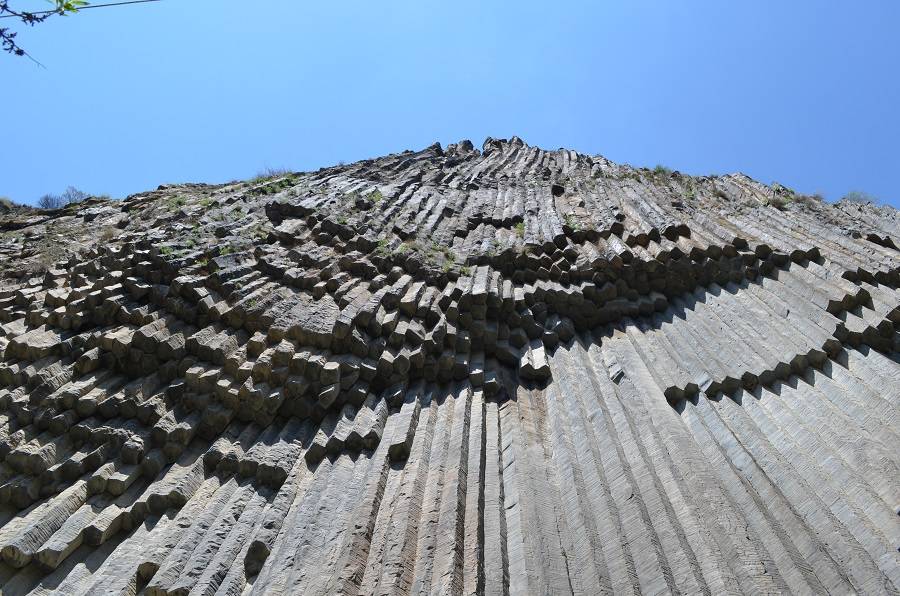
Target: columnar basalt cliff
[[505, 371]]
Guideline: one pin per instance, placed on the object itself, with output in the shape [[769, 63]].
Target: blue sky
[[804, 92]]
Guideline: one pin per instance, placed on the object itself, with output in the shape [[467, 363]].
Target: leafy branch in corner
[[8, 37]]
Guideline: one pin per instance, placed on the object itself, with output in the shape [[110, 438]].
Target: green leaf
[[69, 6]]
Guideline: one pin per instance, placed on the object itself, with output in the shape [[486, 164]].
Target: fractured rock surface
[[505, 371]]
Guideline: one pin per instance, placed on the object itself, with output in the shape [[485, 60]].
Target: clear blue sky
[[803, 92]]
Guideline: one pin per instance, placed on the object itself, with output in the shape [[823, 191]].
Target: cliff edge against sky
[[453, 370]]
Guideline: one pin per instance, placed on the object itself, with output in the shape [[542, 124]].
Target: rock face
[[506, 371]]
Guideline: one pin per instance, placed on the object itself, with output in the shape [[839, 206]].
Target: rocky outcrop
[[506, 371]]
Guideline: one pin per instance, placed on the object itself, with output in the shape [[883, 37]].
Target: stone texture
[[497, 371]]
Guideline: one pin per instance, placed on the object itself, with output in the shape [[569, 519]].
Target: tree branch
[[8, 37]]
